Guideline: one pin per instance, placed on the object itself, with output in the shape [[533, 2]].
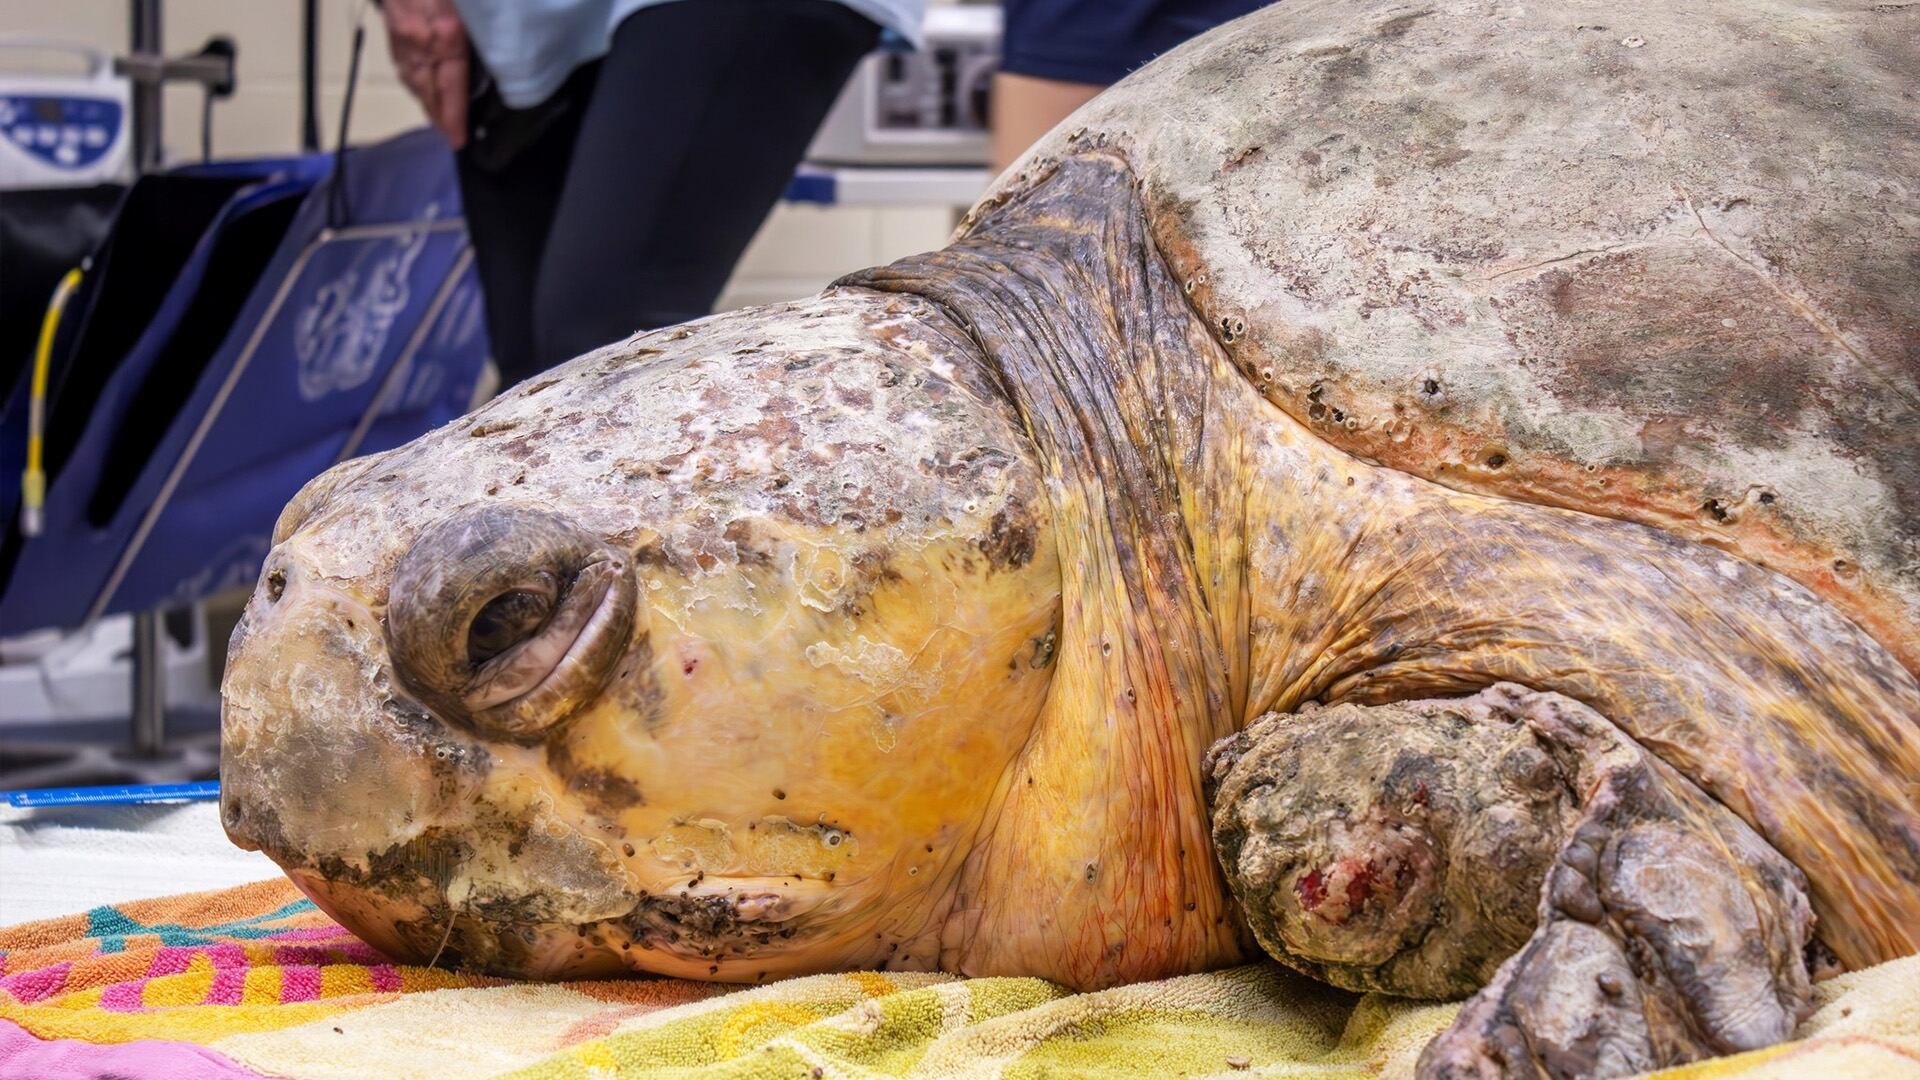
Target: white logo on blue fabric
[[342, 332]]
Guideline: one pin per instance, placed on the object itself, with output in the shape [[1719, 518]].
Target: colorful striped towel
[[254, 982]]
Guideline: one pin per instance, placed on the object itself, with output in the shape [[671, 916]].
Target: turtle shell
[[1650, 261]]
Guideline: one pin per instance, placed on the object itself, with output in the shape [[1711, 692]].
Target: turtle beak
[[318, 757], [397, 820]]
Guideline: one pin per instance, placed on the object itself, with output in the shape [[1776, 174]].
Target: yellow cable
[[33, 482]]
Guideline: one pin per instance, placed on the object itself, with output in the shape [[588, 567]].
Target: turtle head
[[708, 654]]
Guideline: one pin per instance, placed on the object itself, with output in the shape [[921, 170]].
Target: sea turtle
[[1515, 405]]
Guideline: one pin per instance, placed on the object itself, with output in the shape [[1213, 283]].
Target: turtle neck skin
[[1096, 868], [1220, 561]]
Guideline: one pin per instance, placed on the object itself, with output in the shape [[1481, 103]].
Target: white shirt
[[531, 46]]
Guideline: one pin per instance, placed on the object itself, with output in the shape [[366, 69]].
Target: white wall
[[799, 250]]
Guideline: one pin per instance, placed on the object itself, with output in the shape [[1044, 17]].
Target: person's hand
[[429, 48]]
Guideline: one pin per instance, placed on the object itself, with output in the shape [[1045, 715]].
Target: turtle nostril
[[505, 621], [276, 585]]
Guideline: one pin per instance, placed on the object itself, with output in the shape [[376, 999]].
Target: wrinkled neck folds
[[1119, 387]]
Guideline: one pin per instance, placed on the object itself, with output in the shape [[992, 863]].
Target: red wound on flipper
[[1312, 890], [1360, 886], [1352, 882], [1357, 889]]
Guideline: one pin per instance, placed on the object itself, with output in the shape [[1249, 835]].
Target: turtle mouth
[[717, 922], [761, 900]]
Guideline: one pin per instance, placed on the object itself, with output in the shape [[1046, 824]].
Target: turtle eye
[[507, 620]]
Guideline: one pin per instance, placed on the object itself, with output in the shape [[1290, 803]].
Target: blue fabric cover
[[333, 314]]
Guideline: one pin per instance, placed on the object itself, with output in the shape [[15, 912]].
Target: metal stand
[[309, 76], [157, 731], [149, 686], [147, 67], [144, 40]]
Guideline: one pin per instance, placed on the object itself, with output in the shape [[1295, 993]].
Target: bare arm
[[429, 47]]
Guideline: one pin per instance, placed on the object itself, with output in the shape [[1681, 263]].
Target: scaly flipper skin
[[1383, 847]]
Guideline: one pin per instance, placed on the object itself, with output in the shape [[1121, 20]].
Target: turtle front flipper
[[1386, 848], [1669, 930]]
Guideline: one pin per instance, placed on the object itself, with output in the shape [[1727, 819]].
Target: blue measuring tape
[[113, 793]]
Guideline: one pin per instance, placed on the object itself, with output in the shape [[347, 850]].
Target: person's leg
[[1026, 107], [511, 171], [701, 113]]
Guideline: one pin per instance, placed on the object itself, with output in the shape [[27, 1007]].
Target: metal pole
[[149, 686], [309, 76], [144, 38]]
